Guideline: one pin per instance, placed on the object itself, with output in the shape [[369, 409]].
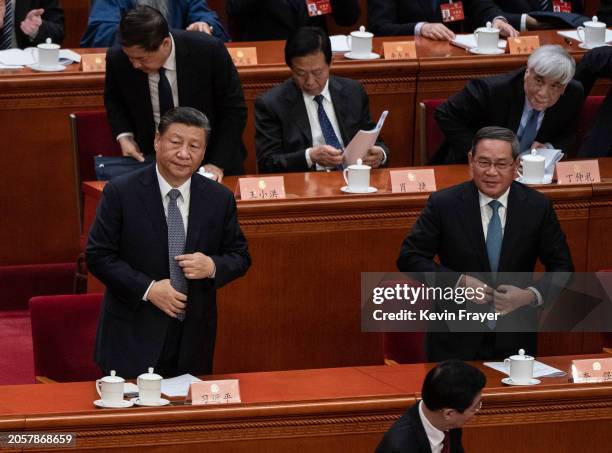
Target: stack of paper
[[469, 42], [178, 386], [15, 58], [340, 43], [362, 142], [573, 34], [539, 369]]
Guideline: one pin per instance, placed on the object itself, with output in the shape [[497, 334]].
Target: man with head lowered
[[164, 239], [451, 393], [539, 103], [304, 123], [152, 70], [489, 224]]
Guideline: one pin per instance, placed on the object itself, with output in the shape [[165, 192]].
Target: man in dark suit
[[164, 239], [488, 224], [423, 18], [151, 70], [539, 103], [279, 19], [27, 23], [604, 13], [304, 123], [517, 12], [451, 395], [597, 63]]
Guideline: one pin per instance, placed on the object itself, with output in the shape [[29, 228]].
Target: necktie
[[544, 5], [176, 244], [530, 131], [6, 32], [494, 236], [165, 93], [446, 443], [326, 127]]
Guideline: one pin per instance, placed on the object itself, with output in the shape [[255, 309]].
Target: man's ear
[[470, 156]]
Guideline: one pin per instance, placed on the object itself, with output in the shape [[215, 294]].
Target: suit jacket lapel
[[199, 205], [513, 227], [471, 219], [419, 432], [516, 108], [187, 90], [152, 202], [297, 109], [339, 101]]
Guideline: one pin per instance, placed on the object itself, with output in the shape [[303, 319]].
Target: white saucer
[[509, 381], [161, 402], [370, 189], [478, 51], [122, 404], [56, 68], [547, 180], [587, 47], [373, 56]]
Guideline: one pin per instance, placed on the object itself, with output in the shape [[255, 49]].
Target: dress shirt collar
[[484, 199], [434, 435], [527, 107], [170, 63], [324, 92], [164, 187]]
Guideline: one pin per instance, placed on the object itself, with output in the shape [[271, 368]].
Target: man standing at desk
[[489, 224], [152, 70], [164, 239], [304, 123]]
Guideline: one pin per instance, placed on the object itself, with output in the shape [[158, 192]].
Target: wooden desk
[[298, 306], [324, 410]]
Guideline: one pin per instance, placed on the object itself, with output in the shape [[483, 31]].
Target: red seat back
[[63, 336], [430, 135]]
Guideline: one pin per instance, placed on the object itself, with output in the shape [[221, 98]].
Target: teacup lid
[[533, 157], [359, 166], [489, 28], [48, 45], [113, 377], [361, 33], [151, 376], [521, 356], [594, 22]]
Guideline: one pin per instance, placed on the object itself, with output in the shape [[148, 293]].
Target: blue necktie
[[326, 127], [6, 32], [530, 131], [176, 244], [494, 236], [165, 93], [544, 5]]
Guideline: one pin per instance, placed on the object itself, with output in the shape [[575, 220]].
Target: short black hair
[[143, 26], [308, 41], [453, 384], [497, 133], [184, 115]]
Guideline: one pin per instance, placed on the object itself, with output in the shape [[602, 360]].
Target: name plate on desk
[[410, 181], [399, 50], [215, 392], [243, 56], [265, 188], [578, 172], [523, 45], [592, 370], [93, 62]]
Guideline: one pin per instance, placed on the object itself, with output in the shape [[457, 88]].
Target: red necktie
[[446, 443]]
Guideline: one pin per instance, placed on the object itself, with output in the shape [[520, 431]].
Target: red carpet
[[16, 357]]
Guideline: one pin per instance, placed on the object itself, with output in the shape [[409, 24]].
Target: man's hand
[[129, 148], [534, 24], [2, 11], [32, 22], [200, 26], [326, 155], [505, 29], [479, 288], [508, 298], [166, 298], [374, 157], [217, 171], [196, 265], [537, 145], [439, 32]]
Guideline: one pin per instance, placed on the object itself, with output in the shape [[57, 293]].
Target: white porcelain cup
[[110, 389], [360, 42], [48, 54], [149, 387], [533, 168], [520, 367], [357, 177], [487, 37], [593, 33]]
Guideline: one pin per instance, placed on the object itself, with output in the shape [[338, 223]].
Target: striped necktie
[[329, 135], [176, 244], [6, 33]]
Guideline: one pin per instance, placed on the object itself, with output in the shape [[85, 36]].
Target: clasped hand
[[505, 298]]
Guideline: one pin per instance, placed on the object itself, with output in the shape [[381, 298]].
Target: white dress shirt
[[434, 435]]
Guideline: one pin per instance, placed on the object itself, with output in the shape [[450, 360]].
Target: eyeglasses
[[499, 165]]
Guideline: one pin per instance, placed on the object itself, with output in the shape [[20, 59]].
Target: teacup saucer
[[161, 402], [509, 381], [479, 51], [591, 46], [547, 180], [119, 405], [56, 68], [372, 56], [370, 189]]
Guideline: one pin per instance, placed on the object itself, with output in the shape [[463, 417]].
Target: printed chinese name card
[[243, 56], [523, 45], [578, 172], [215, 392], [264, 188], [413, 180], [592, 370], [399, 50]]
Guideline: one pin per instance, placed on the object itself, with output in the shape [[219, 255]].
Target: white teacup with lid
[[487, 37], [357, 177], [110, 389], [360, 42], [593, 34], [149, 388], [48, 55], [533, 168], [520, 367]]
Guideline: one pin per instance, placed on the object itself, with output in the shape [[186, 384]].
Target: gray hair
[[552, 61], [497, 133]]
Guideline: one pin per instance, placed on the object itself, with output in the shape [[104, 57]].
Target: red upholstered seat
[[63, 336], [587, 116], [430, 135]]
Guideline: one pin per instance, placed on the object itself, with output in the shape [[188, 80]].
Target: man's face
[[493, 167], [310, 73], [542, 92], [457, 419], [179, 152], [149, 62]]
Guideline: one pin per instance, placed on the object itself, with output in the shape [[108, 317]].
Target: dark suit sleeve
[[234, 259], [553, 250], [481, 11], [596, 63], [345, 12], [116, 110], [605, 11], [383, 19], [103, 260], [565, 133], [241, 7], [52, 23]]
